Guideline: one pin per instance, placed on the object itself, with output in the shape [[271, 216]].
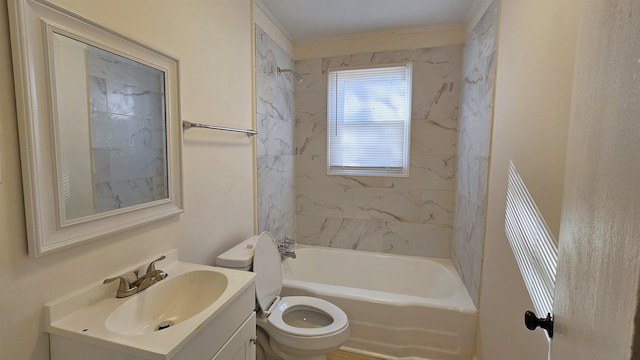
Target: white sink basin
[[192, 298], [168, 302]]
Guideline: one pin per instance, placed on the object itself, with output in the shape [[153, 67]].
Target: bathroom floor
[[343, 355]]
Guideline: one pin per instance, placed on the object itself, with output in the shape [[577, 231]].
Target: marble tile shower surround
[[408, 216], [127, 131], [476, 113], [275, 145]]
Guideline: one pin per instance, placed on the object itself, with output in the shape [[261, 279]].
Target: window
[[368, 116]]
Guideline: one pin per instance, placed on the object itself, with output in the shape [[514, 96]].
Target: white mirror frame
[[46, 230]]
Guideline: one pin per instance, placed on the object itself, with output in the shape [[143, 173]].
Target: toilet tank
[[239, 257]]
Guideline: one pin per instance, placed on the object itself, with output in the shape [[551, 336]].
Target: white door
[[599, 248]]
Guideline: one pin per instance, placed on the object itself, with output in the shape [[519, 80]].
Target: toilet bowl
[[297, 327], [305, 327]]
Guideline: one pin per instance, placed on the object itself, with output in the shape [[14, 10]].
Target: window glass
[[368, 115]]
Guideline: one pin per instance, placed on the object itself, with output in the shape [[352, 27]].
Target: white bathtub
[[398, 306]]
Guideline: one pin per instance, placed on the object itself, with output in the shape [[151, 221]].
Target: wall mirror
[[99, 126]]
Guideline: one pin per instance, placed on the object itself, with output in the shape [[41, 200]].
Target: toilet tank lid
[[239, 256]]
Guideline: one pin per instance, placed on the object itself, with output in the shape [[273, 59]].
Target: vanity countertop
[[83, 315]]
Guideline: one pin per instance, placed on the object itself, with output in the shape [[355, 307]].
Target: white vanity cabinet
[[231, 336], [242, 345], [93, 324]]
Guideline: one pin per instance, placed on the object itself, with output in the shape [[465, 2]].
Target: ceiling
[[307, 20]]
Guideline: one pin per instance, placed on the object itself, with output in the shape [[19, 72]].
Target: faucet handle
[[152, 266], [285, 245], [124, 288]]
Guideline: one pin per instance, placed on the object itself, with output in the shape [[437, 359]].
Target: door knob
[[531, 321]]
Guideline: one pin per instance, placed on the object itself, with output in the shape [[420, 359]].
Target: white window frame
[[334, 118]]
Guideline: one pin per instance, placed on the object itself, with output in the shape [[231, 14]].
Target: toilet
[[291, 327]]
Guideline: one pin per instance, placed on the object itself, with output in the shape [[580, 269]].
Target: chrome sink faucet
[[127, 288], [284, 248]]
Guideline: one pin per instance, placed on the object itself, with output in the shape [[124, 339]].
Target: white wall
[[376, 42], [212, 39], [536, 49]]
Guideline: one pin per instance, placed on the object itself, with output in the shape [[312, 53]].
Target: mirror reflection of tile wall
[[126, 101], [274, 146]]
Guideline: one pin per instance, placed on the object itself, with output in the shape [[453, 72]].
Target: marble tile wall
[[127, 131], [275, 145], [476, 113], [409, 216]]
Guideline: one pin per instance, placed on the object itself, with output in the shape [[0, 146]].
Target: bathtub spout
[[286, 254]]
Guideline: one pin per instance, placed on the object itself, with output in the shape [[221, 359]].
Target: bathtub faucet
[[284, 247]]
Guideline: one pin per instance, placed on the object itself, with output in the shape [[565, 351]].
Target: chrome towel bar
[[186, 125]]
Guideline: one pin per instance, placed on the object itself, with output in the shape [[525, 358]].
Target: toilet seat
[[266, 265], [290, 303]]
